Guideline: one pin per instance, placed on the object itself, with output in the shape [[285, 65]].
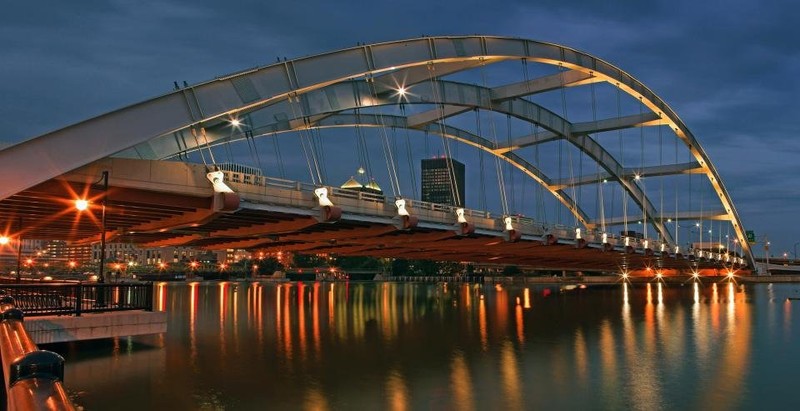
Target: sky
[[728, 68]]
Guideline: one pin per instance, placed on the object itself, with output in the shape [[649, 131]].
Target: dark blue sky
[[728, 68]]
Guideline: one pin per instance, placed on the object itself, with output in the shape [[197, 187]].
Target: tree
[[269, 265], [359, 263], [511, 270], [307, 261], [401, 266]]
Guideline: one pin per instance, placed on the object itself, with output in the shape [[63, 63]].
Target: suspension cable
[[388, 155], [316, 134], [482, 198], [208, 145], [442, 124], [498, 165], [661, 179], [541, 213], [565, 114], [600, 209], [305, 140], [677, 242], [641, 168], [199, 146], [409, 154], [623, 192], [509, 169], [278, 157]]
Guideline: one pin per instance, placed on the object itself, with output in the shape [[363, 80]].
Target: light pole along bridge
[[627, 184]]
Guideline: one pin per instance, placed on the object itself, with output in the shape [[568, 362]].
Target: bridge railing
[[537, 227], [33, 377], [79, 298]]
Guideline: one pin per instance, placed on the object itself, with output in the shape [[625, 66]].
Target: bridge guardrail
[[536, 227], [33, 377]]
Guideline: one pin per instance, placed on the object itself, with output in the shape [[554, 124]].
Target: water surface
[[403, 346]]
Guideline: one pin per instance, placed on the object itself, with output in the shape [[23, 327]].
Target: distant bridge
[[419, 85]]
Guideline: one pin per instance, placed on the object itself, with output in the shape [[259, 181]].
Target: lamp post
[[81, 205], [101, 278], [19, 257]]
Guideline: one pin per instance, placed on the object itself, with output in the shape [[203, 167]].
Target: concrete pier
[[53, 329]]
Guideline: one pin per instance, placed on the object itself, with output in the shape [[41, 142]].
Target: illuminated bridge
[[571, 163]]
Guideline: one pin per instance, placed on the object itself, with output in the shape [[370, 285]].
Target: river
[[410, 346]]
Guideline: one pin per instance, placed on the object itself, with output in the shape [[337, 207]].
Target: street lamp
[[83, 204]]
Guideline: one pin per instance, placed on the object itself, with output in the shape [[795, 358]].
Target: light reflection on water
[[404, 346]]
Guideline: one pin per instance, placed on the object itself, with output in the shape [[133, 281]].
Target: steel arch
[[196, 105]]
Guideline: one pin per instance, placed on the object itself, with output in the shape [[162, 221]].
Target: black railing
[[78, 298], [33, 377]]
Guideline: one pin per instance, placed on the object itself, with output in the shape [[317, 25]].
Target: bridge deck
[[159, 203]]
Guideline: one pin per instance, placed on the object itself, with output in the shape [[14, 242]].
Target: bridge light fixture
[[235, 122], [637, 177], [4, 240], [695, 275], [659, 275], [401, 91]]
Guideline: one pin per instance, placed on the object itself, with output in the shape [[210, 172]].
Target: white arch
[[121, 129]]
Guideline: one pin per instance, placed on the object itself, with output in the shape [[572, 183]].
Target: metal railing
[[78, 298], [533, 227], [33, 377]]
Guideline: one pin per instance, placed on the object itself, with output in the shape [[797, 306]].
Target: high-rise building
[[438, 182]]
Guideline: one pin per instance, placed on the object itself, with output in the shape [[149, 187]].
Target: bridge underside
[[159, 203]]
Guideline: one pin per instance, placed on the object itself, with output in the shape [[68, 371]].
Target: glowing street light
[[82, 205]]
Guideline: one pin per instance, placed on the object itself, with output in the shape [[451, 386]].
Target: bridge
[[619, 181]]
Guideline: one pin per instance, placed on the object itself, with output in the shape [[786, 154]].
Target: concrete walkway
[[53, 329]]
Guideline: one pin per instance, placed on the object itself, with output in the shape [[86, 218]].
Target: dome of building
[[372, 185], [352, 184]]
